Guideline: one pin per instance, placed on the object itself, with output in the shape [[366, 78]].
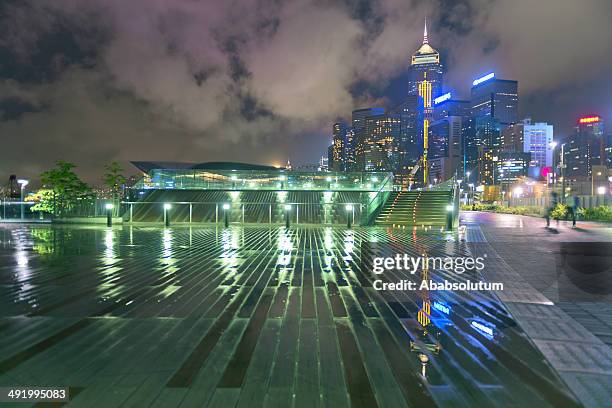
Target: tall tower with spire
[[425, 63], [426, 77]]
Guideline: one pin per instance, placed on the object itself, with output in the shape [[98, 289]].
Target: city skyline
[[83, 95]]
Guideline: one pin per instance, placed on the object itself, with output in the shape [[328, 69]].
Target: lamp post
[[553, 145], [601, 190], [470, 192], [109, 214], [287, 214], [350, 214], [167, 207], [562, 167], [593, 181], [23, 183], [225, 207]]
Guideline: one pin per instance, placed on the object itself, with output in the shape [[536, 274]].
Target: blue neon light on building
[[483, 79], [442, 98]]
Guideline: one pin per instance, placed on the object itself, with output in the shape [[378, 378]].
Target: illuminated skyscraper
[[585, 149], [380, 144], [426, 76], [359, 135], [409, 148], [496, 99], [445, 150], [444, 106], [426, 65], [339, 149]]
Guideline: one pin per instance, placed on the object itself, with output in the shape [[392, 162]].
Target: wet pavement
[[558, 287], [258, 316]]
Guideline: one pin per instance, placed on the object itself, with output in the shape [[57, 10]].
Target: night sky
[[92, 81]]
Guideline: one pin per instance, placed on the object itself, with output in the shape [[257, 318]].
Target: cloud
[[259, 80]]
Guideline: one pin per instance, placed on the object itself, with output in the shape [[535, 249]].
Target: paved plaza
[[256, 315]]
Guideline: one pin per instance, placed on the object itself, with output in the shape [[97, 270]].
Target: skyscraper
[[426, 79], [445, 105], [339, 149], [408, 146], [426, 65], [380, 144], [495, 98], [494, 106], [533, 138], [585, 149], [537, 139], [445, 148], [359, 133]]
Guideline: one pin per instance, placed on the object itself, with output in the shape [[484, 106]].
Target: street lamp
[[350, 214], [225, 207], [593, 181], [167, 207], [109, 214], [22, 183], [287, 213], [601, 190], [470, 192]]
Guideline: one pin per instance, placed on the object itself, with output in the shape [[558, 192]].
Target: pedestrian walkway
[[254, 316], [573, 329]]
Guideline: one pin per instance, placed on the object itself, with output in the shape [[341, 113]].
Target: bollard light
[[167, 207], [109, 214], [601, 190], [449, 217], [349, 215]]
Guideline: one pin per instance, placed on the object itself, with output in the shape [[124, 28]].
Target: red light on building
[[589, 119]]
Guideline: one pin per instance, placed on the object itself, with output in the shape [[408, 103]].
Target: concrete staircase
[[415, 208]]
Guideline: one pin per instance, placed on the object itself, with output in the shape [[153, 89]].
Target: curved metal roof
[[147, 166]]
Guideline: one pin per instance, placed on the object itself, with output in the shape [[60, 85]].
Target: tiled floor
[[252, 316], [563, 302]]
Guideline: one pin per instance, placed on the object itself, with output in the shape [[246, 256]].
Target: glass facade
[[190, 179]]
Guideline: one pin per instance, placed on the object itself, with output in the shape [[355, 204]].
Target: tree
[[43, 199], [68, 190], [113, 178]]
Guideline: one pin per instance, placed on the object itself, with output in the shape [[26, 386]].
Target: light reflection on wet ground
[[252, 316]]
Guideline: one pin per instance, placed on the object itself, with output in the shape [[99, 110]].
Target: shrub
[[600, 213], [559, 212]]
